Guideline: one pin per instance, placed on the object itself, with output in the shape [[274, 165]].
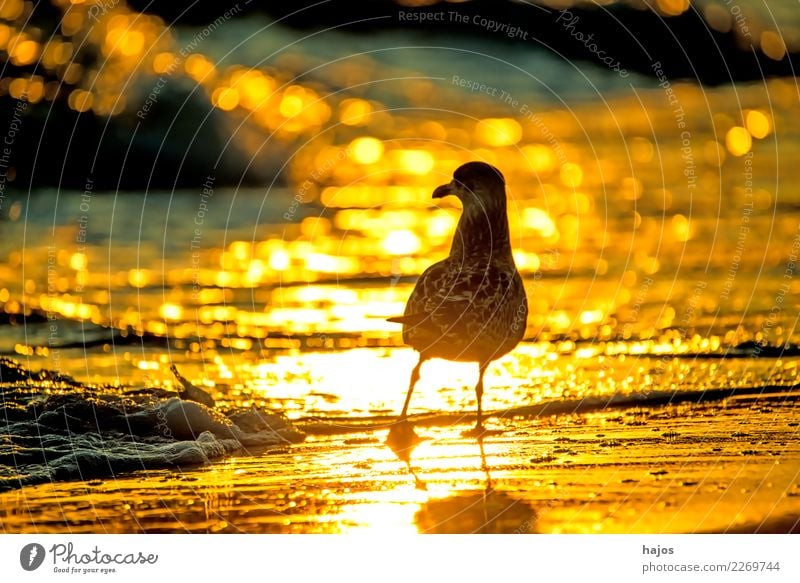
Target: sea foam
[[55, 429]]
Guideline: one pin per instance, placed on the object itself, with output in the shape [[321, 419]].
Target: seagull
[[471, 306]]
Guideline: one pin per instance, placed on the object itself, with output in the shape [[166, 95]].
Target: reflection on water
[[676, 469], [403, 440], [483, 512], [488, 511], [626, 239]]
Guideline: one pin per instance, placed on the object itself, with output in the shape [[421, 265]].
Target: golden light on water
[[419, 162], [291, 105], [78, 261], [738, 141], [718, 18], [23, 52], [528, 262], [72, 22], [383, 518], [714, 153], [81, 100], [139, 277], [199, 68], [539, 221], [591, 317], [12, 9], [681, 227], [571, 175], [171, 312], [225, 98], [498, 132], [758, 124], [642, 150], [673, 7], [355, 112], [162, 62], [773, 45], [539, 157], [279, 260], [254, 87], [120, 38], [366, 150], [401, 242]]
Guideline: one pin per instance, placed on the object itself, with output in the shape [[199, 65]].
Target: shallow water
[[691, 468]]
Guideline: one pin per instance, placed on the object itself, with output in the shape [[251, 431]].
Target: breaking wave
[[55, 429]]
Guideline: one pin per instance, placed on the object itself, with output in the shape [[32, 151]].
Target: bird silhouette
[[470, 307]]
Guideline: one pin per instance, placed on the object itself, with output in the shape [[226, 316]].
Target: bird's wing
[[452, 299], [481, 291], [431, 280], [467, 288], [448, 291]]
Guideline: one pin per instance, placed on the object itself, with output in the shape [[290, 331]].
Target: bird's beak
[[444, 190]]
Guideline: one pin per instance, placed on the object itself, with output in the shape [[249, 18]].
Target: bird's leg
[[411, 384], [479, 395]]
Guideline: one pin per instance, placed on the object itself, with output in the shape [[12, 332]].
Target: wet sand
[[724, 466]]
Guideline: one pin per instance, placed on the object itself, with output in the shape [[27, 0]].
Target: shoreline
[[727, 466]]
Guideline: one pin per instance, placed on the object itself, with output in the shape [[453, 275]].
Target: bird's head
[[476, 184]]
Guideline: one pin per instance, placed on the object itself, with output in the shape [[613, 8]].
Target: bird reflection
[[471, 512], [402, 440], [485, 465], [487, 511]]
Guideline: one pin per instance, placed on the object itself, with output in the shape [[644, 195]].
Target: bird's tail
[[408, 319]]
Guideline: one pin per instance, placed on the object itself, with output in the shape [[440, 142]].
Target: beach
[[704, 464]]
